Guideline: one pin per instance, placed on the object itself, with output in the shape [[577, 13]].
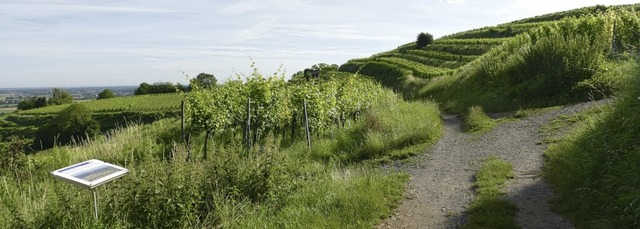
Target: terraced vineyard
[[408, 68]]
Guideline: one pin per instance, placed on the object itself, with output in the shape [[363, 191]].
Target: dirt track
[[441, 186]]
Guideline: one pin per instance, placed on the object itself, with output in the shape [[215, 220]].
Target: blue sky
[[65, 43]]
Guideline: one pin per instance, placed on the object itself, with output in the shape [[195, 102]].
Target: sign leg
[[95, 203]]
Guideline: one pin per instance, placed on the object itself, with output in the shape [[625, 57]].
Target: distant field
[[7, 109], [160, 102]]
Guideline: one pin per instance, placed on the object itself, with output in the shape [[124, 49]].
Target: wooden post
[[306, 123], [188, 139], [293, 127], [248, 125], [207, 136], [182, 121]]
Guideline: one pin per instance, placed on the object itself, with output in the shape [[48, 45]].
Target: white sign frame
[[89, 174]]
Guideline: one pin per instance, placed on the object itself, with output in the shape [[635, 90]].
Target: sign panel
[[89, 174]]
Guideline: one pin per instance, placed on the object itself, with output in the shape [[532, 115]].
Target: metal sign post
[[95, 203], [90, 174]]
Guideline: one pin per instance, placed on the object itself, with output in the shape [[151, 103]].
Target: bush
[[106, 94], [73, 124], [12, 158], [423, 40]]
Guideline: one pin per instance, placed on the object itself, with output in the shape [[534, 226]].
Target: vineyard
[[262, 106], [159, 102], [524, 71]]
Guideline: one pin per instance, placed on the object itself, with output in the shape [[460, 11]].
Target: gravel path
[[441, 186]]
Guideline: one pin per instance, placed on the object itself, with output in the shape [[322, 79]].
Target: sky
[[74, 43]]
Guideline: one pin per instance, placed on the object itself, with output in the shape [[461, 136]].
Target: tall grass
[[476, 121], [386, 128], [594, 170]]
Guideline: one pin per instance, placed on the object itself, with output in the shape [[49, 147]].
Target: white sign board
[[89, 174]]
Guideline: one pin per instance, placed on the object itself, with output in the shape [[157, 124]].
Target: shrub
[[106, 94], [73, 124]]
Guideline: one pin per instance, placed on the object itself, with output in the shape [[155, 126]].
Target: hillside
[[556, 59], [513, 65]]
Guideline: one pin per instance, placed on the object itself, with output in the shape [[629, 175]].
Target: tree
[[143, 89], [32, 103], [423, 40], [59, 96], [205, 80], [105, 94], [75, 123], [158, 88]]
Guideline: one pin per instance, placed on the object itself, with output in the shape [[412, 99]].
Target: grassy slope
[[594, 170], [470, 57]]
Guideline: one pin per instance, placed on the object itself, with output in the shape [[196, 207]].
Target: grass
[[558, 63], [489, 210], [594, 169], [386, 130], [476, 121], [273, 186]]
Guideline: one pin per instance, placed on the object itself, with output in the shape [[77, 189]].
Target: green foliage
[[203, 80], [594, 169], [554, 64], [461, 49], [387, 74], [566, 14], [475, 41], [443, 55], [32, 103], [431, 62], [392, 125], [423, 40], [58, 96], [417, 69], [475, 120], [143, 103], [106, 94], [272, 187], [159, 88], [73, 124], [488, 209], [12, 158], [276, 106], [322, 69], [345, 199]]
